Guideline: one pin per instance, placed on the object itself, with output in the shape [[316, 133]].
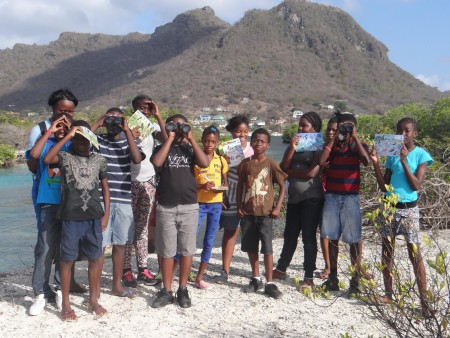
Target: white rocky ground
[[222, 311]]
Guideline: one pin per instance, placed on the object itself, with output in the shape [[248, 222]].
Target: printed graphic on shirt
[[258, 188], [178, 161]]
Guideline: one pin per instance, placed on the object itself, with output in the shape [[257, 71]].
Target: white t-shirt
[[144, 171]]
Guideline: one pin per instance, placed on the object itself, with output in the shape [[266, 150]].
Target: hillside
[[297, 54]]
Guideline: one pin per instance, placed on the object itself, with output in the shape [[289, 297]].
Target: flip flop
[[69, 316], [99, 310], [322, 274], [127, 294]]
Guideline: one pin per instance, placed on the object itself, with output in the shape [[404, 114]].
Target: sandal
[[323, 275], [306, 286], [69, 316], [99, 310]]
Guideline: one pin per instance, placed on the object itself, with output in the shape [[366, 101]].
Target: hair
[[407, 120], [333, 119], [212, 129], [138, 98], [314, 119], [346, 117], [80, 123], [115, 109], [236, 121], [261, 131], [176, 116], [60, 95]]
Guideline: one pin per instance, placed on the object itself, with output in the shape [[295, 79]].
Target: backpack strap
[[43, 127]]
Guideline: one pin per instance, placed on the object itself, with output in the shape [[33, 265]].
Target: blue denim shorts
[[341, 216], [120, 228], [83, 237]]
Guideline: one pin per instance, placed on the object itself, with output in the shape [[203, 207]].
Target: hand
[[73, 131], [275, 213], [104, 221], [101, 120], [354, 133], [373, 156], [124, 124], [136, 133], [241, 213], [153, 107], [294, 142], [209, 186], [403, 154], [58, 124], [189, 135]]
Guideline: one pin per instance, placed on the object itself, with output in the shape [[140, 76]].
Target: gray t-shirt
[[80, 179], [302, 189]]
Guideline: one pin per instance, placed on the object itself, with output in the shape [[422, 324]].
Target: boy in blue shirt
[[406, 174]]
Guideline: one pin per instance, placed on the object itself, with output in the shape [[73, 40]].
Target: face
[[304, 126], [64, 106], [408, 131], [113, 123], [241, 132], [210, 142], [59, 135], [80, 145], [260, 143], [331, 130], [143, 107]]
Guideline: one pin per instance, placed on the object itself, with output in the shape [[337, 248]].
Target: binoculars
[[345, 129], [172, 126], [113, 120]]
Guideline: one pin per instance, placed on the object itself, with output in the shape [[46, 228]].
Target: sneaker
[[59, 299], [277, 274], [353, 290], [331, 284], [147, 277], [183, 298], [222, 278], [254, 285], [272, 291], [128, 280], [162, 298], [203, 285], [38, 305]]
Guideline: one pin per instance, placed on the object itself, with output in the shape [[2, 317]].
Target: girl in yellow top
[[209, 197]]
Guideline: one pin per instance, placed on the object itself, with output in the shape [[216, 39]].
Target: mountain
[[297, 54]]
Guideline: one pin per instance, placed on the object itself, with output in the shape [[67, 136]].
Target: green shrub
[[7, 154]]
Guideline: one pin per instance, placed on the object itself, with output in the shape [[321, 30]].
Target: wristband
[[49, 133], [327, 148]]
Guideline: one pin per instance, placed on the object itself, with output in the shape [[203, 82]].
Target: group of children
[[108, 197]]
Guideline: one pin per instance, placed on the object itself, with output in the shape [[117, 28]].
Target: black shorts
[[253, 229], [81, 237]]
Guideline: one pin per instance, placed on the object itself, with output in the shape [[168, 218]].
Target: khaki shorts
[[176, 230]]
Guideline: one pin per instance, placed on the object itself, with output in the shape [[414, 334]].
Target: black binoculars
[[345, 129], [172, 126], [113, 120]]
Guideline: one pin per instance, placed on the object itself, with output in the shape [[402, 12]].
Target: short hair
[[138, 98], [407, 120], [60, 95], [212, 129], [80, 123], [261, 131], [115, 109], [176, 116], [346, 117], [236, 121], [333, 119], [314, 119]]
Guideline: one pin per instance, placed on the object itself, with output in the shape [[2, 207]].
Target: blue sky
[[416, 32]]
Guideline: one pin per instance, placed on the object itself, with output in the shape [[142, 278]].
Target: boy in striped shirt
[[341, 212]]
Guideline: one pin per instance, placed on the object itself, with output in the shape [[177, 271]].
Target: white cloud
[[441, 82]]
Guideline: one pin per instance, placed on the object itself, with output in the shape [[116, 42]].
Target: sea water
[[18, 229]]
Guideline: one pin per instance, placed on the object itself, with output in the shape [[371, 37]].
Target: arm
[[325, 155], [136, 155], [98, 124], [52, 155], [56, 125], [200, 157], [277, 209], [154, 108], [414, 181], [363, 155], [309, 173], [105, 192], [239, 190], [160, 156], [381, 180], [285, 164]]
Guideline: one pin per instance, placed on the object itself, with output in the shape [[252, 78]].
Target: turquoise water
[[17, 220]]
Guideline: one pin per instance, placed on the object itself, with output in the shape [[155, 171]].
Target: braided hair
[[314, 119]]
